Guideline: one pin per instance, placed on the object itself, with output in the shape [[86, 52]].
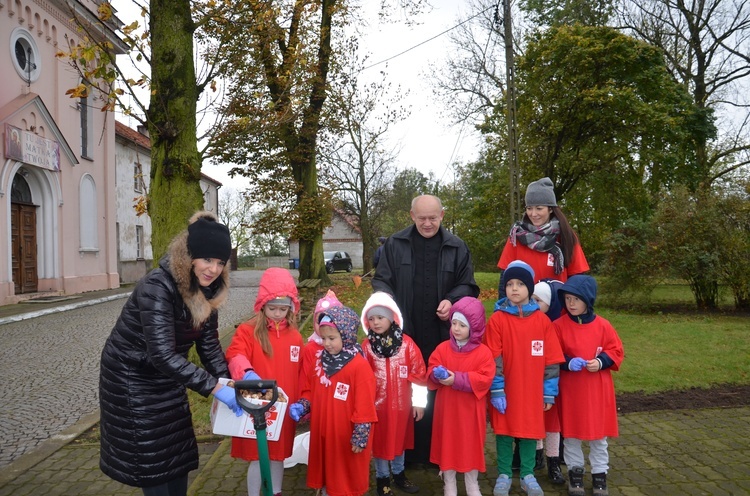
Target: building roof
[[132, 135], [349, 219]]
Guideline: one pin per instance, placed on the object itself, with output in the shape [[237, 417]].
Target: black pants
[[422, 434], [175, 487]]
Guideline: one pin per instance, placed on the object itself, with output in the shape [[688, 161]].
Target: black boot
[[384, 486], [600, 484], [553, 470], [575, 482], [539, 465], [405, 484], [562, 451]]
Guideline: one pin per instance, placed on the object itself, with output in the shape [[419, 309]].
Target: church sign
[[31, 149]]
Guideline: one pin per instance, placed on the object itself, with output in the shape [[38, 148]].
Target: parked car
[[337, 260]]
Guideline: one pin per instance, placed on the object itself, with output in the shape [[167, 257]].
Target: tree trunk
[[368, 240], [175, 192], [706, 292], [311, 262]]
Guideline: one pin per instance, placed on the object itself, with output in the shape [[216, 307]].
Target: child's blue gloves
[[226, 395], [250, 375], [500, 403], [440, 373], [296, 411], [576, 364]]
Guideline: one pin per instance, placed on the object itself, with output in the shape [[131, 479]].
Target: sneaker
[[600, 484], [502, 486], [575, 481], [530, 486]]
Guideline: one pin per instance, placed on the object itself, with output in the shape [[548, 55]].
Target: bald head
[[427, 214]]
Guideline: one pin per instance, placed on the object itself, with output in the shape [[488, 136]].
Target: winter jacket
[[395, 274], [146, 427]]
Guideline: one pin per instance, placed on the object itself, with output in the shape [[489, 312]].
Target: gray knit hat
[[541, 193], [380, 311]]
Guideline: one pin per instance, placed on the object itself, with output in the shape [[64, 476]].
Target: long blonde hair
[[261, 329]]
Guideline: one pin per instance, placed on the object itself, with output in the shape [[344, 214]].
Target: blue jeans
[[382, 468]]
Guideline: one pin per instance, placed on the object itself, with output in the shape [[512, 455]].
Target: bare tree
[[472, 81], [236, 213], [355, 161]]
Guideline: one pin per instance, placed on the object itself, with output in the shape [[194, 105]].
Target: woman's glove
[[227, 396], [576, 364], [250, 375], [440, 373], [296, 411]]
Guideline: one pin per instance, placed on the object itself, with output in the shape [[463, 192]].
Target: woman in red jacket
[[544, 240]]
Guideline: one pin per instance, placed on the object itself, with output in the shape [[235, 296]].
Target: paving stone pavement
[[49, 369], [687, 452]]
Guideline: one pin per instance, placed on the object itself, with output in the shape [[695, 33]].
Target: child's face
[[379, 324], [574, 304], [517, 292], [331, 339], [459, 330], [542, 305], [277, 313]]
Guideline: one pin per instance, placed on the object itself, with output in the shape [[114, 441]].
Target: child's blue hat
[[519, 269]]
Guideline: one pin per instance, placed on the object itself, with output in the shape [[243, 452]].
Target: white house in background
[[342, 235], [133, 176], [57, 190]]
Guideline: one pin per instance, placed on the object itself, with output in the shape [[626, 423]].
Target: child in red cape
[[461, 369], [400, 375], [341, 403], [268, 346], [588, 410]]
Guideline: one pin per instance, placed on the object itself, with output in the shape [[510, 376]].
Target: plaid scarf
[[542, 238]]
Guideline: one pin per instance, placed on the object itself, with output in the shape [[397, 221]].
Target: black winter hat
[[519, 269], [208, 238]]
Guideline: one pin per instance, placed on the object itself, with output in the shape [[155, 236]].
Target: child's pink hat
[[328, 301]]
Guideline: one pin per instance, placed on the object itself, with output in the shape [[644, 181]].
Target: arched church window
[[20, 191]]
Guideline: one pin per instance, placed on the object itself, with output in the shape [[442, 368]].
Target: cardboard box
[[225, 422]]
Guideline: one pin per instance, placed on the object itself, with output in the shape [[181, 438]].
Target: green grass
[[672, 352]]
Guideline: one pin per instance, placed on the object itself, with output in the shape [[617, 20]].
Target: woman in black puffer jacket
[[147, 437]]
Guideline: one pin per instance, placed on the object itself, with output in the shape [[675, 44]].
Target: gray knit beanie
[[380, 311], [541, 193]]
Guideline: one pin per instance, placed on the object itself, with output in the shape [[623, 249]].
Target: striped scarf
[[542, 238]]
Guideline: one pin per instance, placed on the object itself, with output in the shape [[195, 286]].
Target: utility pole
[[510, 97]]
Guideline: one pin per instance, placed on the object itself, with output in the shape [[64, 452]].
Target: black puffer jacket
[[147, 435]]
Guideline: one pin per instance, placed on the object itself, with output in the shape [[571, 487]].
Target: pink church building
[[57, 165]]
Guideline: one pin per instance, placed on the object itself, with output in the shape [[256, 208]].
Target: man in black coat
[[425, 269]]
